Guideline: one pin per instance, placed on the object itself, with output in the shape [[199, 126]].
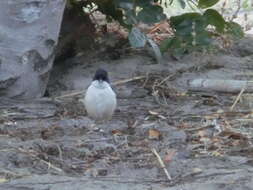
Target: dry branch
[[237, 99], [161, 163], [120, 82], [219, 85]]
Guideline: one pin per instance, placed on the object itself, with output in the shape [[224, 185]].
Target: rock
[[245, 46], [28, 36]]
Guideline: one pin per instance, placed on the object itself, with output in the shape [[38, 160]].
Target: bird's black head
[[101, 75]]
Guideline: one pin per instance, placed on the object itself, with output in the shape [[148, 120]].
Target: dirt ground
[[50, 144]]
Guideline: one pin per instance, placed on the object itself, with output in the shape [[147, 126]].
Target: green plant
[[192, 31], [196, 31], [141, 11]]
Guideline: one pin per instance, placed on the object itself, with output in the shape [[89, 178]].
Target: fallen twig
[[71, 94], [198, 128], [219, 85], [35, 156], [60, 151], [146, 80], [98, 140], [161, 163], [165, 79], [233, 114], [120, 82], [51, 165], [98, 178], [237, 99]]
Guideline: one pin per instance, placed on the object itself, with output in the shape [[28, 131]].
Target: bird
[[100, 100]]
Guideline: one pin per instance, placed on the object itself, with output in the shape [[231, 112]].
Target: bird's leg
[[97, 126]]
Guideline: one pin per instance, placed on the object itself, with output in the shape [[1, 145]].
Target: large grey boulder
[[29, 31]]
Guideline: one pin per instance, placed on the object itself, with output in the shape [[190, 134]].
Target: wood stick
[[120, 82], [165, 79], [60, 151], [71, 94], [197, 128], [50, 165], [219, 85], [161, 164], [33, 154], [237, 99]]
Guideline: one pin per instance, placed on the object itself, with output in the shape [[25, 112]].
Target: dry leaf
[[216, 154], [156, 114], [233, 135], [162, 117], [154, 134], [202, 133], [205, 140], [209, 117], [236, 143], [153, 112], [197, 170], [184, 126], [117, 132], [132, 123], [140, 143], [3, 180], [169, 156], [182, 94], [220, 111]]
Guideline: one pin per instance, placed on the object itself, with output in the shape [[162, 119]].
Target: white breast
[[100, 100]]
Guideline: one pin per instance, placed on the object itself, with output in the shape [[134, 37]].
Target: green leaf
[[185, 23], [169, 43], [246, 4], [182, 3], [130, 18], [175, 42], [170, 2], [156, 50], [214, 18], [207, 3], [144, 3], [203, 39], [165, 44], [190, 32], [179, 52], [174, 45], [234, 29], [108, 8], [125, 4], [136, 38], [151, 14], [177, 20]]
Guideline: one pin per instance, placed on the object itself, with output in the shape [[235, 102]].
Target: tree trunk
[[29, 32]]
